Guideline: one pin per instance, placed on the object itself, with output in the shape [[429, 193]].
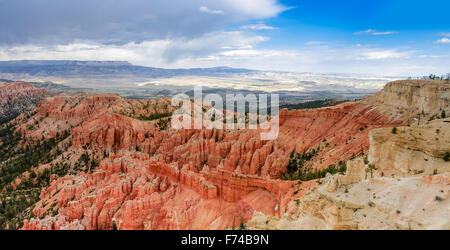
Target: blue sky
[[414, 22], [382, 37]]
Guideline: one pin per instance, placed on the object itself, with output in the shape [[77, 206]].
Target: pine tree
[[394, 130]]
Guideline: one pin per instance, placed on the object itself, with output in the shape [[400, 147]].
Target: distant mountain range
[[134, 81], [68, 68]]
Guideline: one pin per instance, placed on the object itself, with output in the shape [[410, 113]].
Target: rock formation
[[151, 177], [415, 101], [369, 197], [17, 98], [410, 150]]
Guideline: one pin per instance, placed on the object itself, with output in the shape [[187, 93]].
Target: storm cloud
[[122, 21]]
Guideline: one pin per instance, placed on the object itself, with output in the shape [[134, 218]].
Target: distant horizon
[[213, 67]]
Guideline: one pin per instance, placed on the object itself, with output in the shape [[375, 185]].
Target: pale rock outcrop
[[411, 150], [412, 100], [360, 199], [356, 172]]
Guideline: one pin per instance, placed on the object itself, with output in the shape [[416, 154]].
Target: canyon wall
[[17, 98], [412, 100], [161, 178], [404, 184], [408, 150]]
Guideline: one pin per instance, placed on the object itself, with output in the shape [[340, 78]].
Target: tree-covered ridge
[[154, 116], [16, 158], [149, 110], [314, 104], [297, 168]]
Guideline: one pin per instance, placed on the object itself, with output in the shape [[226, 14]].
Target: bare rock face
[[412, 100], [403, 185], [411, 150], [17, 98], [132, 191], [161, 178], [355, 173], [417, 202], [340, 132], [112, 131]]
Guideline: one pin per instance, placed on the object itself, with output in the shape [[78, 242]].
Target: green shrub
[[242, 225], [296, 169], [447, 156]]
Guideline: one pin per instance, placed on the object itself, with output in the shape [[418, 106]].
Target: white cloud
[[376, 54], [315, 43], [259, 26], [384, 33], [209, 11], [445, 34], [257, 9], [375, 33], [242, 49], [443, 40], [428, 56], [160, 53]]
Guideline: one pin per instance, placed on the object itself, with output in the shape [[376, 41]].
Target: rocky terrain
[[414, 101], [404, 184], [115, 163], [17, 98], [403, 181]]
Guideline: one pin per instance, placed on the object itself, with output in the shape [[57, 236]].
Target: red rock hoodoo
[[152, 178]]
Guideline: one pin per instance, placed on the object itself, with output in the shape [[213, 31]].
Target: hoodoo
[[113, 165]]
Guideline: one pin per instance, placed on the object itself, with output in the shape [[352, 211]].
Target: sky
[[382, 37]]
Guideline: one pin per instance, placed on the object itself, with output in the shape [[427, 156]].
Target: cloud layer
[[120, 22], [258, 26], [240, 49], [375, 32]]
